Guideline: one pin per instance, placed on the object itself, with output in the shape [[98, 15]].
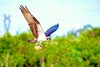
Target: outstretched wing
[[32, 21], [51, 30]]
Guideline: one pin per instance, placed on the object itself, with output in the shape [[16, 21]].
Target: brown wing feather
[[32, 21]]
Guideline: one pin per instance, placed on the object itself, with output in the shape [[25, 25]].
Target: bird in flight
[[36, 28]]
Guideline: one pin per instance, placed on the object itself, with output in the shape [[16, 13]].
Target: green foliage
[[65, 51]]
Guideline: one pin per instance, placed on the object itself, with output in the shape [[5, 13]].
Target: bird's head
[[48, 38]]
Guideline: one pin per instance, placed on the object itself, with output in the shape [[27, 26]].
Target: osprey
[[36, 28]]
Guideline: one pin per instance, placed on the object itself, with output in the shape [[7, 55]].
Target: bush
[[65, 51]]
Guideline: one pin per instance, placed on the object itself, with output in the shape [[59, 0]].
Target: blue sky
[[70, 14]]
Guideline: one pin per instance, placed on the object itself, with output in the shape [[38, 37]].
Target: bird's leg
[[38, 46], [40, 43], [37, 43]]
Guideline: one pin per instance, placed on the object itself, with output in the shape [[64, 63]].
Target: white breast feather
[[41, 35]]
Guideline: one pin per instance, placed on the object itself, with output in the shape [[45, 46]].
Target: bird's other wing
[[32, 21], [51, 30], [32, 40]]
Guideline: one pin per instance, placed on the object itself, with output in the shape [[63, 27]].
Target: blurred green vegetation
[[64, 51]]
